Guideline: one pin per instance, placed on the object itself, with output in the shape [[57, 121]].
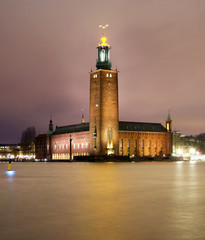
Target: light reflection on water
[[103, 201]]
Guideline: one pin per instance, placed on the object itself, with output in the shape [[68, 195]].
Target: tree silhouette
[[27, 139]]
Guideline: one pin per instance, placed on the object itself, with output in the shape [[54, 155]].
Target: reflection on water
[[102, 201]]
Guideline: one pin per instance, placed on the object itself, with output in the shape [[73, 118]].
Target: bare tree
[[27, 138]]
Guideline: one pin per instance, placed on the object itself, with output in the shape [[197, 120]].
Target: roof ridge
[[138, 122]]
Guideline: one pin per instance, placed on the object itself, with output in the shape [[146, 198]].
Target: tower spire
[[50, 127], [82, 119], [168, 116], [103, 61], [169, 123]]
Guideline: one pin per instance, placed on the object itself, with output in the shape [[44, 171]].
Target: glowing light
[[103, 26], [10, 173], [110, 149], [179, 151], [192, 151], [104, 39]]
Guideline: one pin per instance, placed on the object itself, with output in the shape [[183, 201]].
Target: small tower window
[[149, 146], [128, 147], [121, 146], [155, 146], [143, 147]]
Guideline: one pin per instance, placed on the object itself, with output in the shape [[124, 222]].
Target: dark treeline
[[28, 139]]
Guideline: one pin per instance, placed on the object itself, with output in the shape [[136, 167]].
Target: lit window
[[107, 74], [86, 145], [110, 74], [128, 147], [78, 145]]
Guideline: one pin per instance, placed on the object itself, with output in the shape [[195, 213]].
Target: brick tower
[[104, 112]]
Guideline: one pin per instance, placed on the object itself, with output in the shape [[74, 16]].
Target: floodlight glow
[[10, 173], [179, 151], [192, 151]]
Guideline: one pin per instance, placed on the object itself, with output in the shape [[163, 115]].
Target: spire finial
[[103, 39], [82, 119], [169, 117], [50, 128]]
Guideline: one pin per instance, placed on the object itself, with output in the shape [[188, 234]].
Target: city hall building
[[105, 134]]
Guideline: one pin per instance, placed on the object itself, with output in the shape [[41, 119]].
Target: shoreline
[[103, 159]]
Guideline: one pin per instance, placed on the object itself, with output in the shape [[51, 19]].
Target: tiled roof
[[123, 126], [72, 128], [141, 126]]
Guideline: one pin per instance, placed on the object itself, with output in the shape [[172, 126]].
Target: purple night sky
[[47, 49]]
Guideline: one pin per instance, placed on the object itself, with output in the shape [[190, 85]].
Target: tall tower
[[104, 111], [169, 135], [169, 123]]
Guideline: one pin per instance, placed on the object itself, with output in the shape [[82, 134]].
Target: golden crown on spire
[[103, 39]]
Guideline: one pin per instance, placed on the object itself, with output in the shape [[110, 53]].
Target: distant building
[[9, 150], [105, 134], [187, 145], [15, 151]]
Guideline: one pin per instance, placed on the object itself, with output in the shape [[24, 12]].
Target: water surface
[[105, 201]]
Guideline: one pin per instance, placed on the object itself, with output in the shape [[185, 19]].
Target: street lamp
[[71, 148]]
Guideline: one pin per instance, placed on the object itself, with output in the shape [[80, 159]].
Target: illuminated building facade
[[15, 151], [105, 134], [187, 146]]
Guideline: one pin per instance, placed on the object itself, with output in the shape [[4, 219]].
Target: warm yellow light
[[103, 39], [192, 151], [167, 126], [110, 149], [179, 151]]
